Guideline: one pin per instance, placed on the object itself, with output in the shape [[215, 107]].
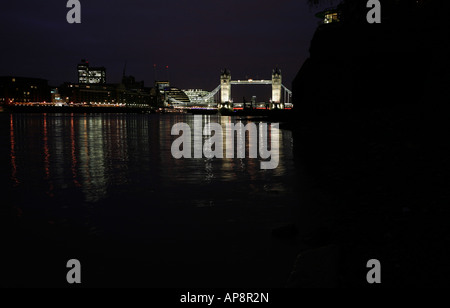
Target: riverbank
[[75, 109], [376, 189]]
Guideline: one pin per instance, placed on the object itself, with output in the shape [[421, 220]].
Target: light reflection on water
[[77, 158]]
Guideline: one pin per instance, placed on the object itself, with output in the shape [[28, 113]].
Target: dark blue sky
[[195, 38]]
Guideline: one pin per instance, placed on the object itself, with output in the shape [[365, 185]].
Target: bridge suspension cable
[[286, 89], [211, 94]]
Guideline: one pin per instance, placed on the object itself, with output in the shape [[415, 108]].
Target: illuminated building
[[90, 75], [175, 96], [329, 16], [276, 86], [225, 84], [93, 90], [171, 96], [133, 93], [128, 93], [23, 90], [84, 94], [196, 96], [57, 99]]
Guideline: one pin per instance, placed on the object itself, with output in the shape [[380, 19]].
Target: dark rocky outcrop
[[372, 136]]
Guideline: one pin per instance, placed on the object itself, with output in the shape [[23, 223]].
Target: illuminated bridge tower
[[225, 85], [276, 87]]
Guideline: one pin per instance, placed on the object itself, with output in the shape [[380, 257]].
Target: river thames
[[106, 190]]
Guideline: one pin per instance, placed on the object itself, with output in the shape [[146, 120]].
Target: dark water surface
[[105, 189]]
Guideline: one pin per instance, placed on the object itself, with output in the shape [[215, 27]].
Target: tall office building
[[90, 75]]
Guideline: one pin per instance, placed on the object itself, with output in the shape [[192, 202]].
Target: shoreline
[[271, 115], [74, 109]]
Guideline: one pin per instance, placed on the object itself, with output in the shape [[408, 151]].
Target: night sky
[[195, 38]]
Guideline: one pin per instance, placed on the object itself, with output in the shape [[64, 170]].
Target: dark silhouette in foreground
[[371, 136]]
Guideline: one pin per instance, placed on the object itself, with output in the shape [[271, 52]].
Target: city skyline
[[261, 37]]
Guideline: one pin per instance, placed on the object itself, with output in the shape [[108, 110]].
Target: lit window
[[331, 17]]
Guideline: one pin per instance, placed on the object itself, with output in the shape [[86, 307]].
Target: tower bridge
[[281, 95]]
